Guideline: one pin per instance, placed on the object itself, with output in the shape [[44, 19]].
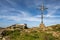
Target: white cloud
[[32, 19], [22, 16], [12, 3], [52, 10], [18, 18], [47, 16], [24, 13], [27, 18], [15, 18]]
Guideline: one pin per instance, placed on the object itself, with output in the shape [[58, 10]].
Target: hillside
[[33, 34], [55, 27], [17, 35]]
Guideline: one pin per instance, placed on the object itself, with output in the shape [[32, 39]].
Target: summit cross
[[42, 8]]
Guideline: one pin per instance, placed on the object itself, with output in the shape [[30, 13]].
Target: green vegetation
[[56, 27], [33, 35], [17, 35]]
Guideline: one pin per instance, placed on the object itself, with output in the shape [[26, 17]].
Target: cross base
[[42, 26]]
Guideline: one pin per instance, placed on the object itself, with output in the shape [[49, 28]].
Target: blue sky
[[26, 11]]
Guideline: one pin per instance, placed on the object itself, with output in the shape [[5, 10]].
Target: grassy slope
[[17, 35]]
